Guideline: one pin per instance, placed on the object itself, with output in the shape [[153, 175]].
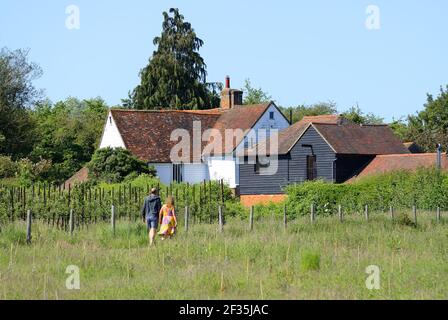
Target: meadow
[[324, 260]]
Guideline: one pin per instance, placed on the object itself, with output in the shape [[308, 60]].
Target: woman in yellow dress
[[167, 219]]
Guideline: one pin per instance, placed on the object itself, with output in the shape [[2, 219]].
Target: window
[[178, 170], [311, 168], [271, 115]]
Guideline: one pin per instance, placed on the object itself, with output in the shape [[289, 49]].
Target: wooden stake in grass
[[438, 214], [313, 217], [392, 213], [221, 220], [414, 211], [112, 219], [340, 214], [71, 222], [186, 218], [251, 219], [285, 218], [366, 212], [28, 227]]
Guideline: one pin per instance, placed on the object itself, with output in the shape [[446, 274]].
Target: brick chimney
[[230, 97]]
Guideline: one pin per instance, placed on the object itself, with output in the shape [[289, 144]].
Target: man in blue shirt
[[150, 213]]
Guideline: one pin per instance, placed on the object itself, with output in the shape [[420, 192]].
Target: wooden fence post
[[438, 214], [313, 218], [251, 218], [340, 214], [221, 220], [366, 212], [414, 211], [112, 219], [285, 218], [186, 218], [71, 222], [28, 227], [392, 213]]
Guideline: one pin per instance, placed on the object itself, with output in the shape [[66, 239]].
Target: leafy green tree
[[17, 95], [356, 115], [254, 95], [176, 74], [321, 108], [430, 126], [113, 165], [68, 133]]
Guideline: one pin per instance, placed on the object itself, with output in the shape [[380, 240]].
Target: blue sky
[[298, 51]]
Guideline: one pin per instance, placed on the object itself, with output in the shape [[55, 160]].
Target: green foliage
[[309, 261], [29, 172], [17, 94], [321, 108], [68, 133], [254, 95], [356, 115], [113, 165], [176, 74], [430, 126], [426, 188], [8, 168]]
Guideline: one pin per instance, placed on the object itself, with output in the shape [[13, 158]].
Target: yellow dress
[[168, 227]]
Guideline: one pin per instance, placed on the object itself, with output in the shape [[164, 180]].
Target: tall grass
[[326, 260]]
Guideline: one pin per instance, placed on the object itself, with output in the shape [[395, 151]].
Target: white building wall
[[164, 172], [223, 169], [195, 173], [111, 136]]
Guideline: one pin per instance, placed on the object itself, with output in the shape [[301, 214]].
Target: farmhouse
[[329, 147], [153, 136]]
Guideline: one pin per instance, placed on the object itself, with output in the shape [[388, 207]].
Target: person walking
[[167, 219], [150, 213]]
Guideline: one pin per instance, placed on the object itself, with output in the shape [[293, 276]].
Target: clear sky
[[298, 51]]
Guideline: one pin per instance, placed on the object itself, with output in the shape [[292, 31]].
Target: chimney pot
[[227, 82]]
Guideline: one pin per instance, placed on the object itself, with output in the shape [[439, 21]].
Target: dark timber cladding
[[292, 167]]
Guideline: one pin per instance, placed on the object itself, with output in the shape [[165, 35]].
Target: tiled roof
[[365, 140], [147, 133], [79, 177], [394, 162], [344, 136], [239, 117]]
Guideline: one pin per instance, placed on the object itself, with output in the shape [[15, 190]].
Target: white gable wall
[[111, 136], [227, 169]]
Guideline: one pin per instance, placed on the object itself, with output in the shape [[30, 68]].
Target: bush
[[113, 165], [426, 188], [8, 168]]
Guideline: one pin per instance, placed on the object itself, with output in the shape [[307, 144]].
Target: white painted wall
[[111, 136], [195, 172], [164, 172], [223, 169]]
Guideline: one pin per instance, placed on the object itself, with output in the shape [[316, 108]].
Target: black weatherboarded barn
[[323, 147]]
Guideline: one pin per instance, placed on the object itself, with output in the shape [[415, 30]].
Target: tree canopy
[[176, 74], [254, 95], [17, 95], [430, 126]]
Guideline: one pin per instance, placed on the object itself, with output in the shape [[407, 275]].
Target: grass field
[[327, 260]]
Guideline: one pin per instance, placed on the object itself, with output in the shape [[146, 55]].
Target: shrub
[[8, 168], [426, 188], [113, 165]]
